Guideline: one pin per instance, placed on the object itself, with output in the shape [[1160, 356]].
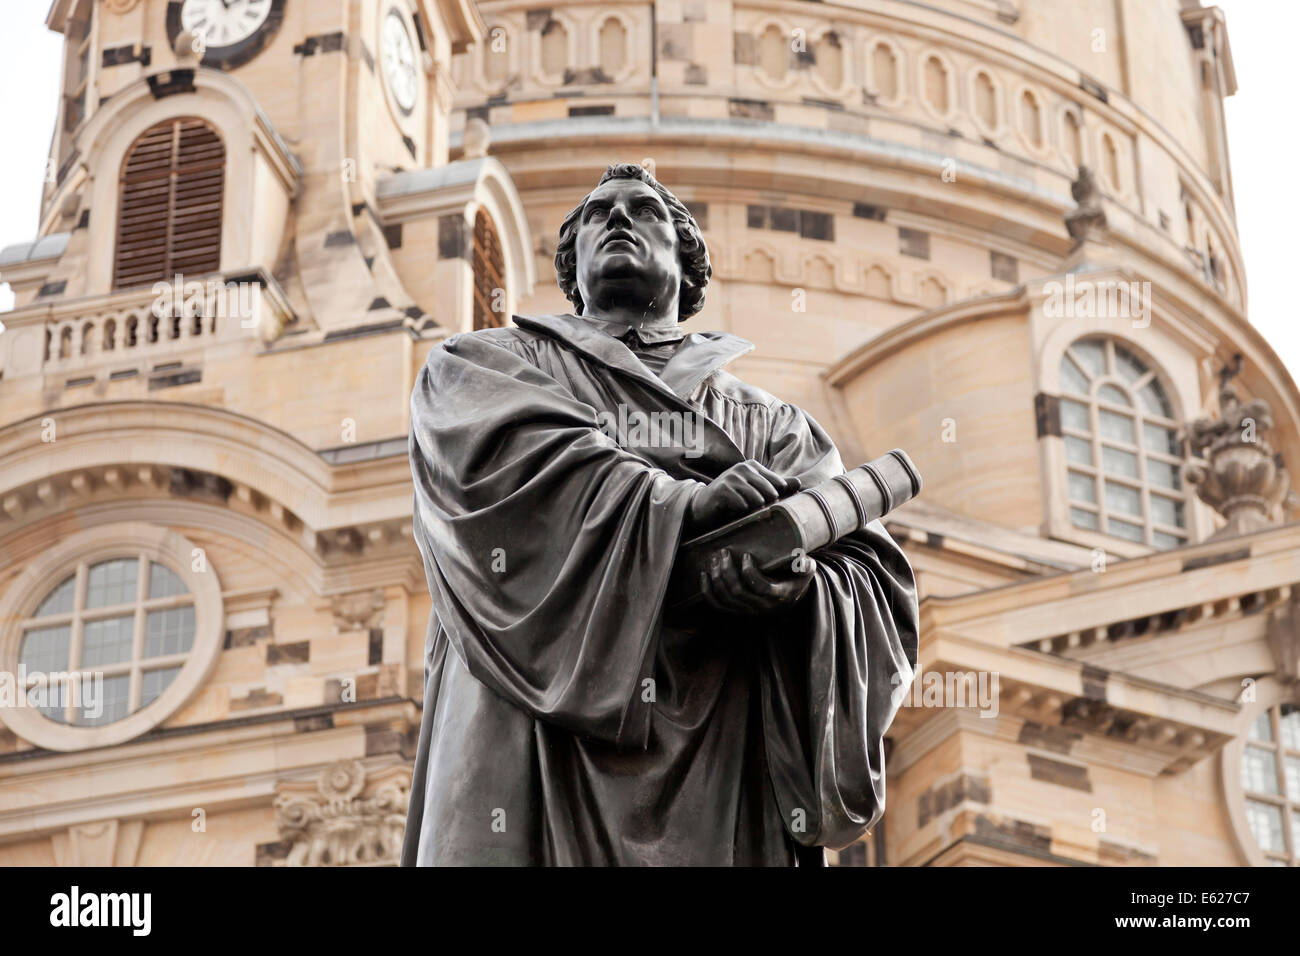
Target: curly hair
[[690, 242]]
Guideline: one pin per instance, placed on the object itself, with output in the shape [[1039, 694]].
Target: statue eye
[[597, 212], [648, 208]]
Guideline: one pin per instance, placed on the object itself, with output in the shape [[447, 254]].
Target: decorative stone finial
[[186, 49], [1240, 475], [477, 138], [1087, 220]]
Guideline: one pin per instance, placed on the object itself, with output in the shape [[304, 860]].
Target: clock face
[[228, 33], [399, 61], [224, 23]]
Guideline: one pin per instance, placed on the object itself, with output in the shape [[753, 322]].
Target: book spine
[[849, 502]]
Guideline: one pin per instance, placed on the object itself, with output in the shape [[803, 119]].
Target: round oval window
[[107, 640]]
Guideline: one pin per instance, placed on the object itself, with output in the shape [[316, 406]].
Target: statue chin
[[624, 288], [615, 265]]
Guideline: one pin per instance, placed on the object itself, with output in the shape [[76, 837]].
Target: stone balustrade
[[146, 322]]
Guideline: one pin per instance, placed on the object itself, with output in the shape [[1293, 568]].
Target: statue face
[[627, 249]]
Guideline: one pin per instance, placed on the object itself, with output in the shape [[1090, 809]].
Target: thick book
[[790, 530]]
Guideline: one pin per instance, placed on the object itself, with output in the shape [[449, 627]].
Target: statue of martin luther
[[569, 717]]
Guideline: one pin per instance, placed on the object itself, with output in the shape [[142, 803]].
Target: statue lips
[[619, 236]]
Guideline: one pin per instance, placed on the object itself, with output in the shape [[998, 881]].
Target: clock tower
[[251, 235], [327, 115]]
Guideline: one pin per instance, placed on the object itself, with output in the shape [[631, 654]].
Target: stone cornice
[[1115, 719], [272, 463], [463, 19], [1032, 611], [57, 17], [989, 198], [147, 775]]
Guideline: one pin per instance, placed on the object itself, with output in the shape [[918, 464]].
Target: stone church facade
[[997, 233]]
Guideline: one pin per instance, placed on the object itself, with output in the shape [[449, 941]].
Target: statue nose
[[617, 217]]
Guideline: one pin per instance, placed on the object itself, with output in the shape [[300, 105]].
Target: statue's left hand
[[741, 587]]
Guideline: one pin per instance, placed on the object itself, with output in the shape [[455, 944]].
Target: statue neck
[[639, 319]]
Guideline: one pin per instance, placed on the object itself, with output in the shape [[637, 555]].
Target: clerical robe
[[569, 717]]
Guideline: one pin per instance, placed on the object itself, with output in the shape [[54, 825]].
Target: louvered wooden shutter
[[169, 217], [489, 273]]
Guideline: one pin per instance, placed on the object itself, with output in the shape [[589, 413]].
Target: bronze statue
[[577, 710]]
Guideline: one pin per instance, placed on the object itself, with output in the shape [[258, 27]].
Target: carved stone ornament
[[1087, 220], [345, 818], [476, 139], [358, 610], [184, 48], [1240, 476]]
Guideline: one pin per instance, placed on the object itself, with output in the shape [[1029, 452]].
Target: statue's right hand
[[740, 490]]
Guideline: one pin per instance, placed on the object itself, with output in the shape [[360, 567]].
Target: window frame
[[487, 271], [183, 182], [37, 582], [137, 664], [1270, 699], [1062, 504]]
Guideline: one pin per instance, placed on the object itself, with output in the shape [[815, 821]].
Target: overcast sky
[[1262, 135]]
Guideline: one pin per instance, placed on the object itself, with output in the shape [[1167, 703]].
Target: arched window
[[1072, 140], [935, 83], [1031, 119], [613, 47], [829, 61], [1110, 161], [555, 49], [986, 100], [169, 212], [884, 72], [774, 53], [123, 628], [489, 275], [1122, 449], [1270, 783]]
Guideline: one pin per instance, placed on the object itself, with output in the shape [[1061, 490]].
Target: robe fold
[[567, 720]]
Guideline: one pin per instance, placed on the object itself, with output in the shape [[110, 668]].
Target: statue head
[[631, 243]]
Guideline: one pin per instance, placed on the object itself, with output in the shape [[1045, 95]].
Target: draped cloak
[[568, 720]]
